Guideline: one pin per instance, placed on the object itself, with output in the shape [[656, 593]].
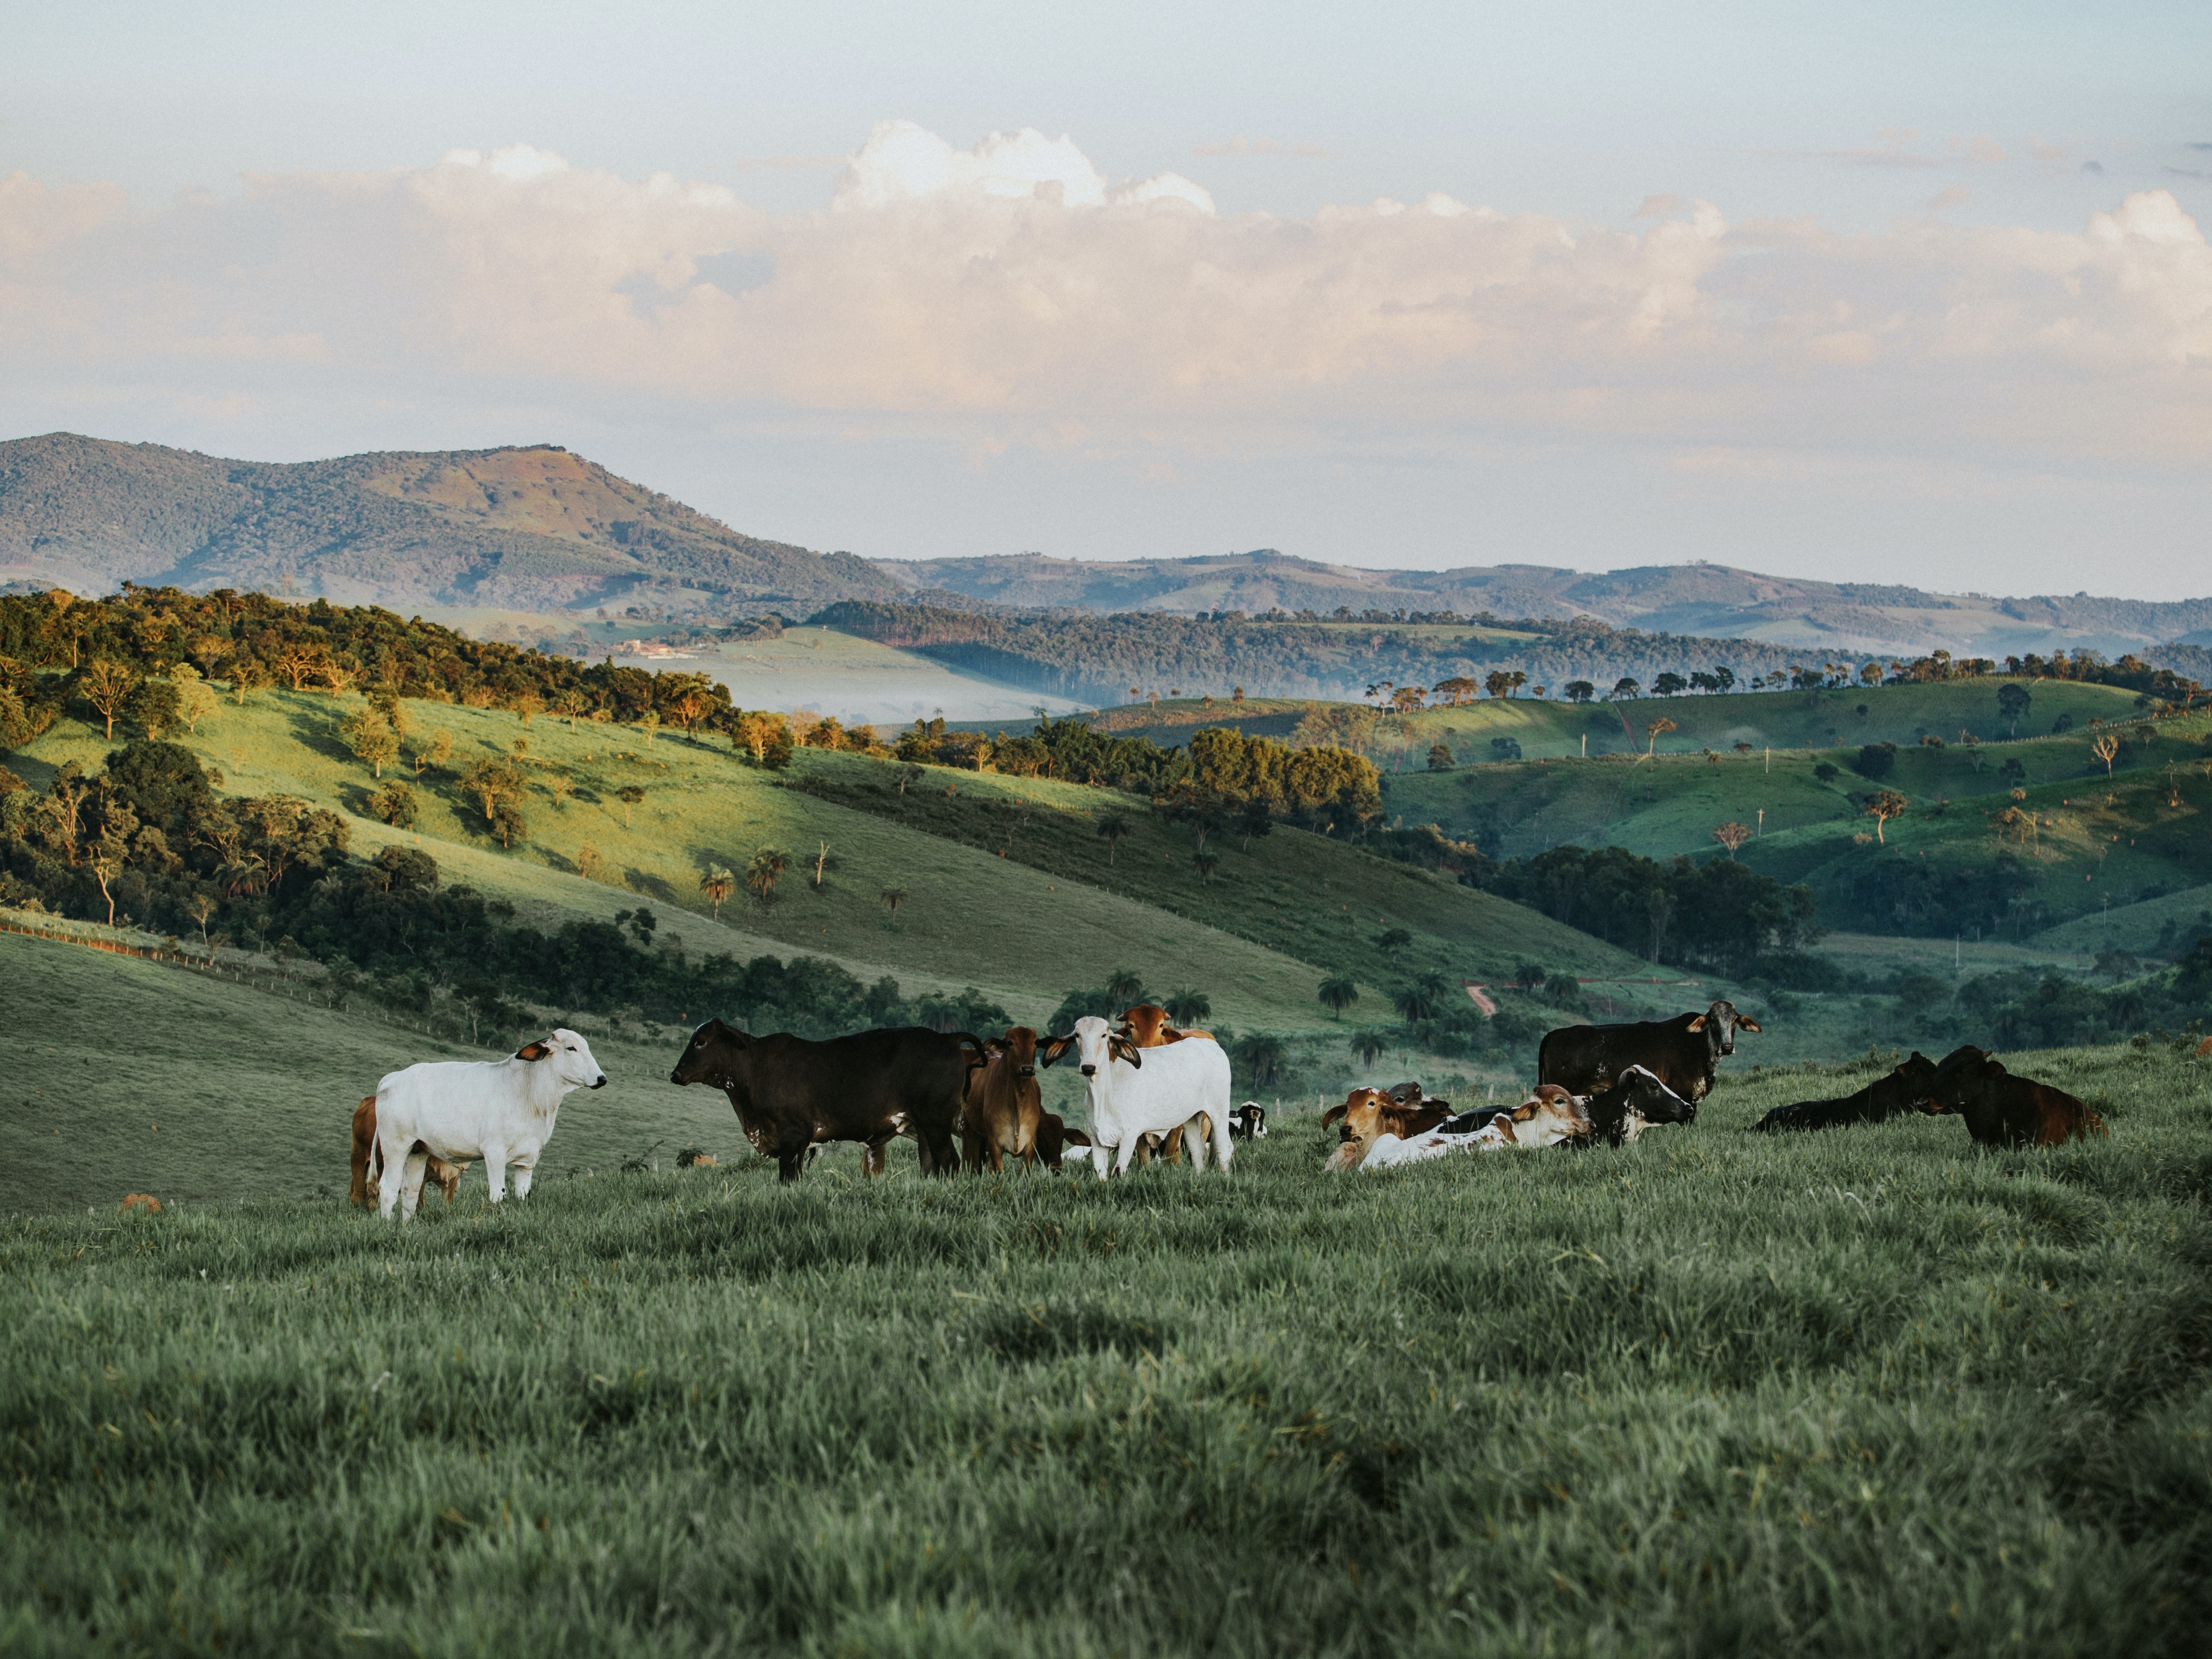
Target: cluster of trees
[[149, 842], [124, 657]]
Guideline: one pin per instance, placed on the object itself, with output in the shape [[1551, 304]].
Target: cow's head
[[1098, 1046], [567, 1057], [1959, 1081], [1363, 1123], [1721, 1023], [1256, 1119], [1642, 1100], [712, 1056], [1547, 1117], [1144, 1025], [1019, 1046]]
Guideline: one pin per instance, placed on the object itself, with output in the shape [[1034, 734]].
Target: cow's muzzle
[[602, 1082], [1024, 1070], [1091, 1070]]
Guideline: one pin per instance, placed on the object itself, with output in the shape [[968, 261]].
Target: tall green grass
[[1868, 1392]]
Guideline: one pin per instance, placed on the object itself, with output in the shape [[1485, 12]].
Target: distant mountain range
[[1708, 600], [539, 528], [523, 529]]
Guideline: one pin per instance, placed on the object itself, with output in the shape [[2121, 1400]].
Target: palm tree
[[1338, 994], [1263, 1056], [1189, 1007], [1113, 828], [716, 884], [1124, 988], [762, 873], [1367, 1046], [1423, 999]]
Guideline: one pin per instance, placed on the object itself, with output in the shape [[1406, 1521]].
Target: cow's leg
[[942, 1159], [1221, 1150], [790, 1157], [1129, 1144], [392, 1176], [495, 1171], [525, 1168], [410, 1182], [871, 1156]]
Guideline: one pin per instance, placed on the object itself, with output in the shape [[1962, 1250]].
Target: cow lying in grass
[[2005, 1110], [501, 1111], [1549, 1117], [1896, 1092], [1368, 1114], [436, 1172], [1632, 1105]]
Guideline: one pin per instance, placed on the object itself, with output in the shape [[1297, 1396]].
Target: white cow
[[499, 1110], [1134, 1093]]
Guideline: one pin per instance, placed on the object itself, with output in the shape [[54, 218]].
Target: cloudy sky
[[1882, 292]]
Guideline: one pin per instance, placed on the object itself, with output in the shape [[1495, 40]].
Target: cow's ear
[[534, 1051], [1699, 1024], [1746, 1023], [1053, 1049]]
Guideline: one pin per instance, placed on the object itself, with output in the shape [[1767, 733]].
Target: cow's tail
[[969, 1040]]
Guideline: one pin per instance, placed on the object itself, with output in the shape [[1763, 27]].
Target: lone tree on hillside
[[2013, 703], [1112, 829], [892, 898], [1625, 689], [629, 795], [1338, 993], [2106, 746], [1580, 690], [1367, 1047], [1124, 988], [370, 736], [1205, 864], [762, 873], [1883, 805], [1657, 730], [717, 885], [1732, 835], [107, 685], [1392, 941]]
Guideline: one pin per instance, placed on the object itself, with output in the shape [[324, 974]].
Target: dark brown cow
[[445, 1177], [1893, 1092], [1052, 1139], [1683, 1053], [2005, 1110], [790, 1094], [1000, 1115]]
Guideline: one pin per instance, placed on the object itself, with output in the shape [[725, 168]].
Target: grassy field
[[1872, 1392]]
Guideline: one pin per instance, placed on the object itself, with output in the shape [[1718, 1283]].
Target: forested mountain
[[523, 528], [1109, 659], [1696, 599]]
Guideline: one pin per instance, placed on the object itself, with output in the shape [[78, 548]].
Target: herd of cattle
[[1151, 1092]]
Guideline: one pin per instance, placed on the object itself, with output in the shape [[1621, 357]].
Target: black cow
[[790, 1094], [1683, 1053], [1892, 1092], [1248, 1121], [1632, 1105]]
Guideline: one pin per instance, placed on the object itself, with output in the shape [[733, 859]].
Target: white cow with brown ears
[[500, 1110], [1134, 1094]]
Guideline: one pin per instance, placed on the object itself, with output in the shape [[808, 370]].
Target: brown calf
[[1054, 1137], [2005, 1110], [447, 1177], [1003, 1106]]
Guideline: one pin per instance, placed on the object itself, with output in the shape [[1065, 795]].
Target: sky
[[1881, 293]]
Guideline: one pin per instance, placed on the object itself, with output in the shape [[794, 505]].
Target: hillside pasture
[[1868, 1391]]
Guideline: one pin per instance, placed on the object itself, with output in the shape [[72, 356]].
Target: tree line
[[149, 842]]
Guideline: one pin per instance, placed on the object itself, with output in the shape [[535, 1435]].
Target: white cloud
[[1011, 293]]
